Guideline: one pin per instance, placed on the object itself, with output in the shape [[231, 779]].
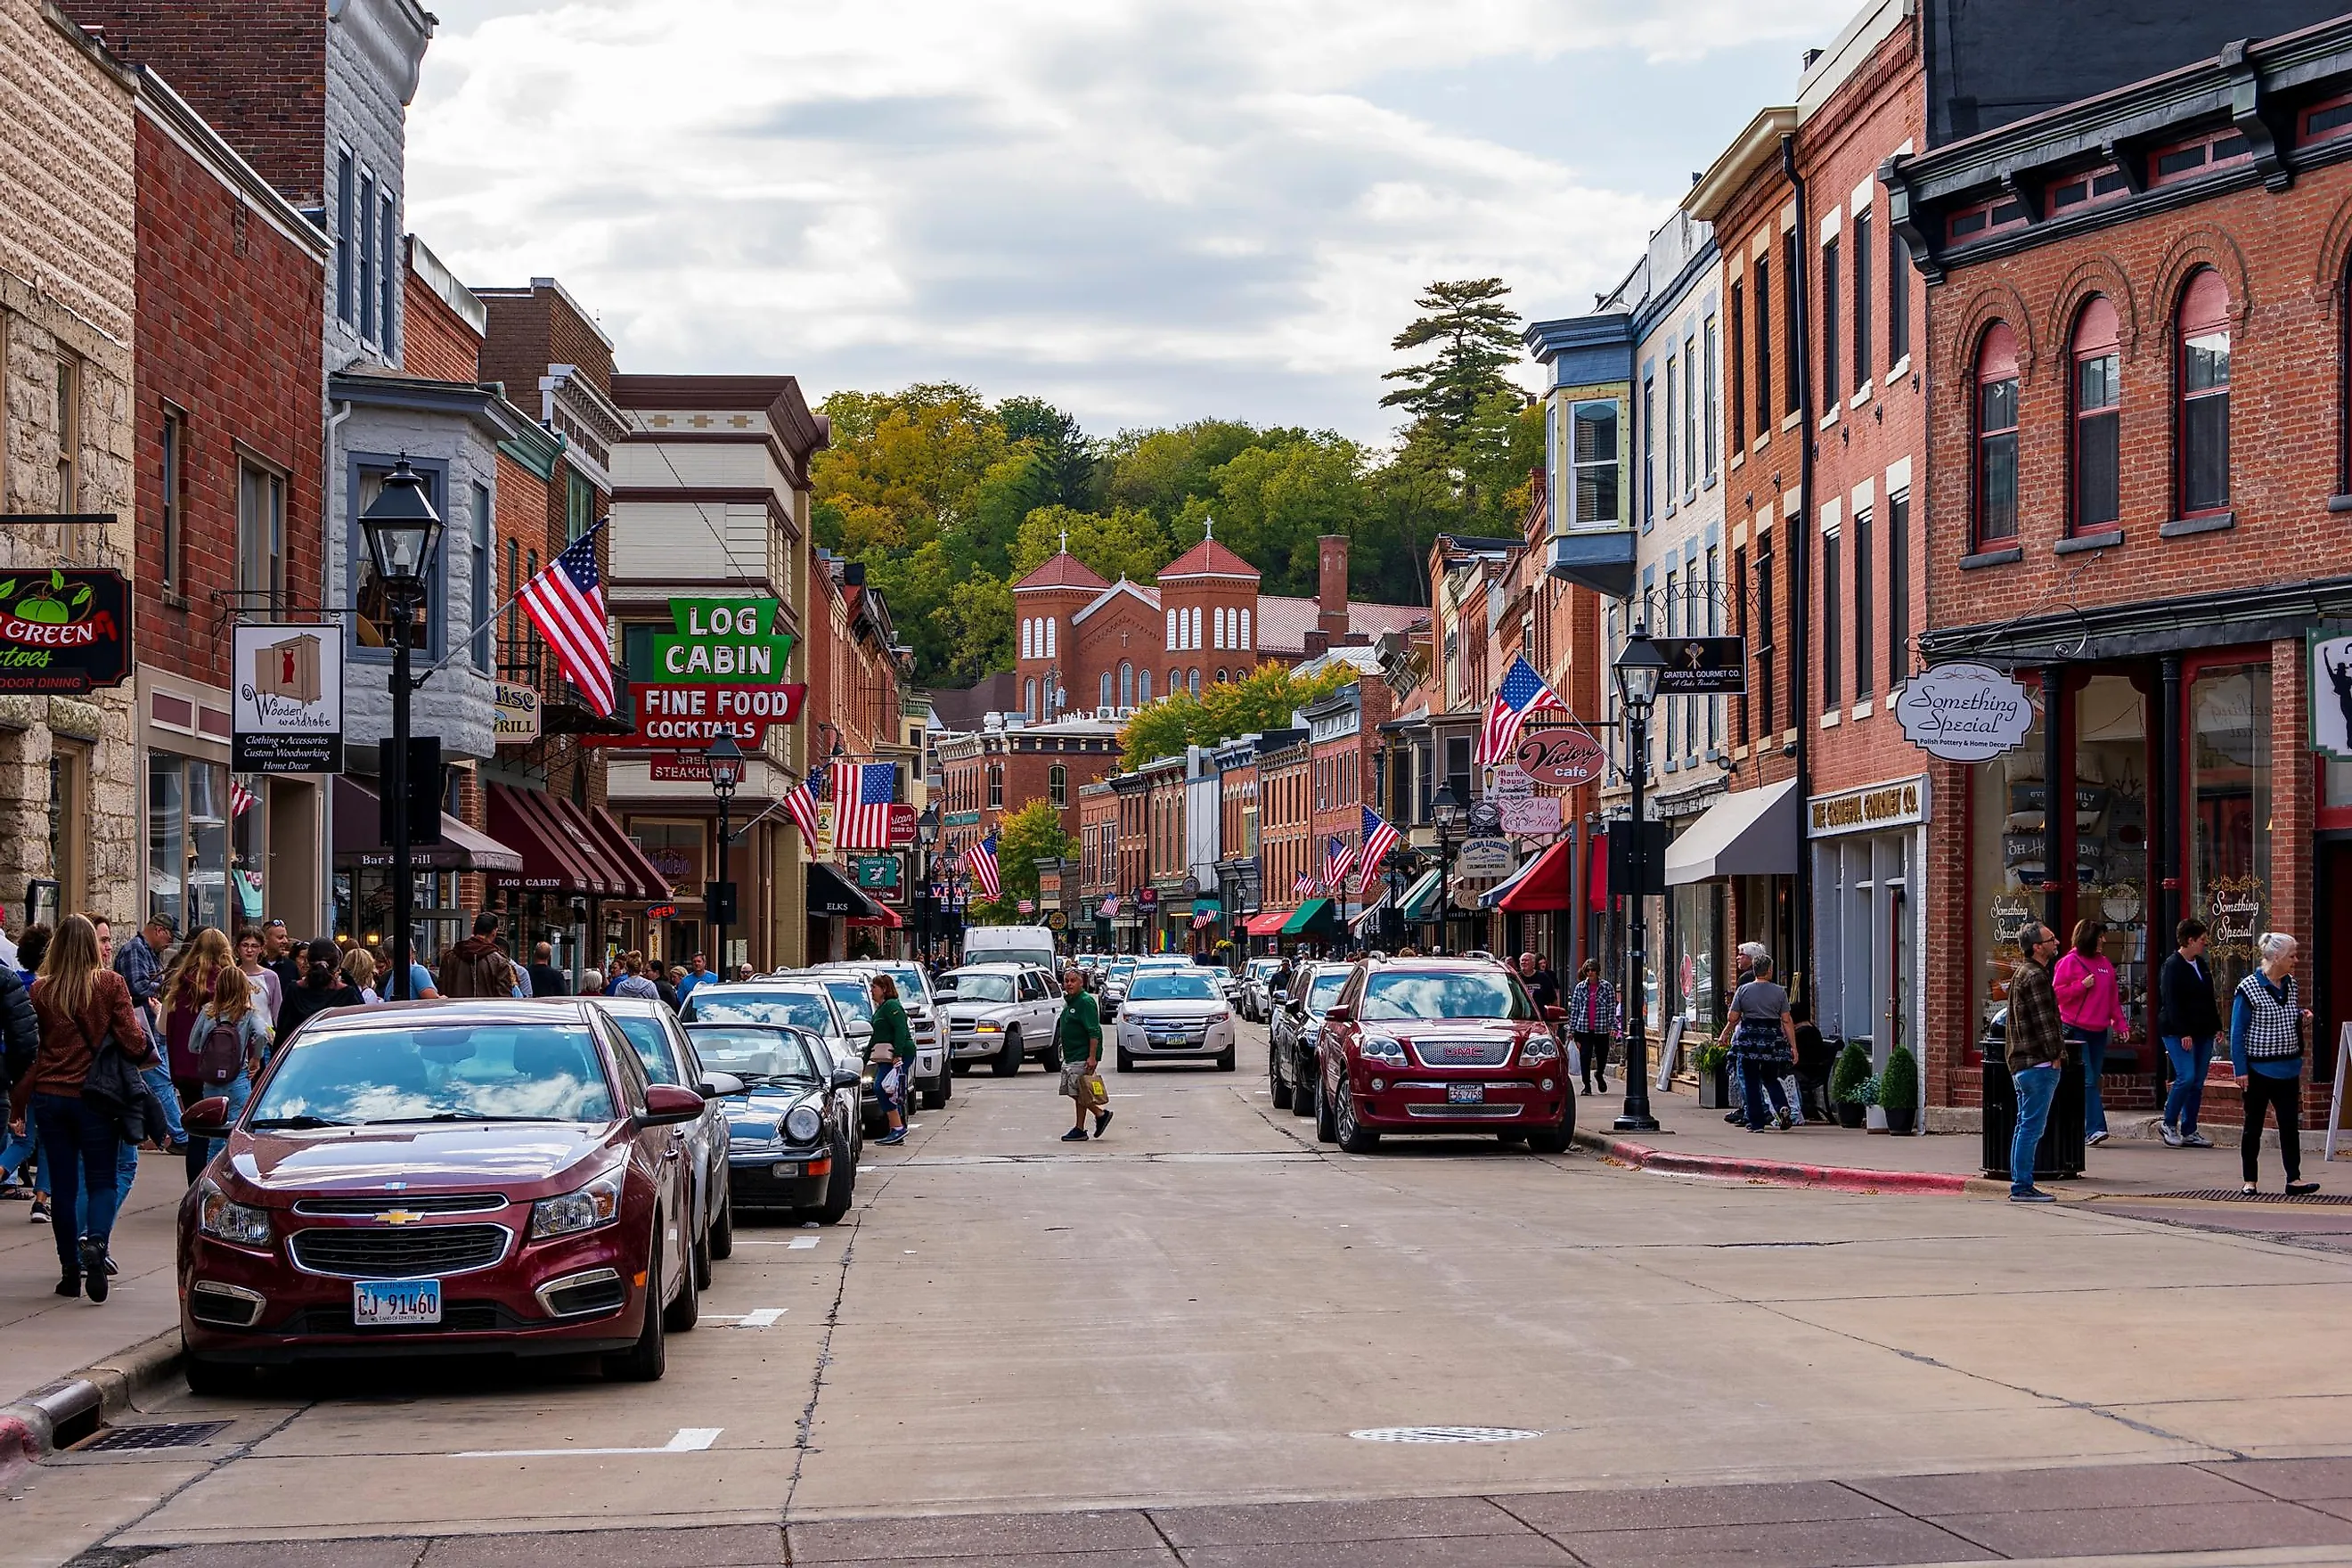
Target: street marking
[[1444, 1434], [759, 1317], [689, 1440], [801, 1243]]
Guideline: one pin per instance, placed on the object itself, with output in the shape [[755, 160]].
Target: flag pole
[[490, 621]]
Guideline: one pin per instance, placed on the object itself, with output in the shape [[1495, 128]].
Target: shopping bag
[[1576, 1061], [1097, 1092]]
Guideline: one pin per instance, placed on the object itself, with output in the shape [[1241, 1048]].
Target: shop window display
[[2229, 812], [2111, 817], [188, 840], [2007, 865]]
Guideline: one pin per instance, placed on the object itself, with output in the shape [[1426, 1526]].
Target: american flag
[[1303, 885], [1339, 855], [240, 799], [566, 602], [1523, 693], [801, 805], [1380, 837], [861, 809], [982, 858]]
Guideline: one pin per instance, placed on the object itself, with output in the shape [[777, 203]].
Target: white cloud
[[1147, 211]]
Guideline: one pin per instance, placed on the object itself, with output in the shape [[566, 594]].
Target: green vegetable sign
[[64, 630], [736, 641]]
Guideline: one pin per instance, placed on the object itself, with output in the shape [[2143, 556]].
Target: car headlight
[[231, 1221], [598, 1203], [988, 1029], [1381, 1049], [802, 1124], [1539, 1049]]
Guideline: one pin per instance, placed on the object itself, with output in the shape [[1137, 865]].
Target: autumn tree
[[1033, 832]]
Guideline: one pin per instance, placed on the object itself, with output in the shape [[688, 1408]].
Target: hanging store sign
[[874, 871], [64, 631], [1485, 858], [1561, 757], [680, 767], [287, 712], [740, 641], [514, 714], [1964, 712], [2331, 692], [689, 718], [1703, 667]]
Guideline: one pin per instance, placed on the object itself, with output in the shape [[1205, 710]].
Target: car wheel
[[841, 1191], [1277, 1085], [685, 1308], [1354, 1136], [212, 1379], [1126, 1062], [722, 1231], [1326, 1127], [1225, 1060], [645, 1361], [1556, 1139], [1008, 1060], [961, 1066], [933, 1099]]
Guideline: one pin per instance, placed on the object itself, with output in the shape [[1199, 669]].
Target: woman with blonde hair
[[187, 989], [358, 968], [230, 1041], [84, 1009]]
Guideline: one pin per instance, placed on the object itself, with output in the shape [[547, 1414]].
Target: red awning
[[1267, 923], [643, 879], [887, 920], [1545, 886], [551, 862], [1596, 855]]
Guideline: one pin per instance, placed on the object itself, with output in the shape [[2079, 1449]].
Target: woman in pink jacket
[[2093, 1011]]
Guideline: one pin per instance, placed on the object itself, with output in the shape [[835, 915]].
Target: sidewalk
[[1692, 1142], [45, 1336]]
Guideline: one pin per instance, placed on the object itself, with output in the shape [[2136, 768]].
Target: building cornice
[[1756, 147]]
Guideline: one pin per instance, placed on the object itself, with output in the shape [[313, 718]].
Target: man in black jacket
[[2190, 1020], [546, 980], [20, 1032]]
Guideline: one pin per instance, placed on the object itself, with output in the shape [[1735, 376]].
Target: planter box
[[1850, 1115], [1715, 1089]]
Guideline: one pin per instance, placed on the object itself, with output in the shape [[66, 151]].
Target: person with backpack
[[475, 967], [323, 986], [86, 1016], [229, 1040]]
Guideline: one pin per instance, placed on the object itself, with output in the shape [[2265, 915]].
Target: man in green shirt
[[1080, 1034]]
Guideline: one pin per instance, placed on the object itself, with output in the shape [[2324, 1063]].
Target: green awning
[[1420, 902], [1306, 915], [1207, 907]]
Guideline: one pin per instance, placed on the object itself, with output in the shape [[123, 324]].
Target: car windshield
[[1261, 967], [981, 987], [1324, 990], [1179, 987], [1123, 968], [912, 991], [756, 1055], [1460, 994], [806, 1008], [853, 998], [652, 1042], [473, 1071]]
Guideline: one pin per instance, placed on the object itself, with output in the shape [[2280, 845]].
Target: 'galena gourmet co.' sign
[[1964, 712]]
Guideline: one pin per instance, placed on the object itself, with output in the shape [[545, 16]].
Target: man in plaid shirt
[[2036, 1050]]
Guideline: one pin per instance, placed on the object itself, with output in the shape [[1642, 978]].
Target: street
[[1208, 1310]]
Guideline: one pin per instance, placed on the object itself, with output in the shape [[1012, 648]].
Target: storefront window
[[1698, 938], [2006, 867], [249, 843], [187, 841], [2111, 773], [676, 850], [2230, 811]]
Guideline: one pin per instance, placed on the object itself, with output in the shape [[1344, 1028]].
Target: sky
[[1146, 211]]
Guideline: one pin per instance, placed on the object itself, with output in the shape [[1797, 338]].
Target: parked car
[[933, 1082], [1439, 1044], [1257, 988], [803, 1000], [1114, 986], [1297, 1026], [1175, 1015], [442, 1178], [1002, 1013], [661, 1047], [792, 1147]]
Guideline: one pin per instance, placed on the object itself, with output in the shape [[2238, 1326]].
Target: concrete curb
[[29, 1428], [1776, 1173]]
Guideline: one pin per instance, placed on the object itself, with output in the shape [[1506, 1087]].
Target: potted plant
[[1850, 1082], [1713, 1077], [1898, 1091]]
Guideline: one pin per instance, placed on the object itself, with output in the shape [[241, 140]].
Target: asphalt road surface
[[1208, 1310]]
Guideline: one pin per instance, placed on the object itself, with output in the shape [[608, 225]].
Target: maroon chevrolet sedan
[[442, 1178], [1439, 1044]]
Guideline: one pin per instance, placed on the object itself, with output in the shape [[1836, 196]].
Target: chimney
[[1331, 585]]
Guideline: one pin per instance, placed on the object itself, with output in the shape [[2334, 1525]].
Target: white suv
[[932, 1081], [1004, 1011]]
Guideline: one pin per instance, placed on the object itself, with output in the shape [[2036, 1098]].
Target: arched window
[[1127, 684], [1172, 630], [1057, 785], [2204, 391], [1196, 626], [2098, 418], [1105, 700], [1026, 652], [1222, 614], [1049, 636], [1244, 642], [1996, 475], [1143, 685], [1194, 673], [1221, 677], [1175, 678], [1029, 696]]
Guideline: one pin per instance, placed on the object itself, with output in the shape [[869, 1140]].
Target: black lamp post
[[927, 834], [1446, 809], [403, 530], [1394, 861], [725, 760], [1638, 668]]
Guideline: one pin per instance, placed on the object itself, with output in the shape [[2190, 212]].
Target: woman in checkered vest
[[2266, 1020]]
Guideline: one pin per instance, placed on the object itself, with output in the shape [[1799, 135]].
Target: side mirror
[[667, 1105], [206, 1118], [720, 1085], [848, 1077], [1340, 1013], [1554, 1015]]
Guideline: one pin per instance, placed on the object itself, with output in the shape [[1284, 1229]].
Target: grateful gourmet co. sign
[[63, 630]]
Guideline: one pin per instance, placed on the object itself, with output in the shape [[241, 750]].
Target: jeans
[[2284, 1095], [1594, 1050], [2189, 1057], [2036, 1086], [79, 1151], [1759, 1080], [159, 1080], [126, 1171], [2093, 1046], [18, 1151]]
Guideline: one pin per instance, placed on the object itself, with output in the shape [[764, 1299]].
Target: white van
[[1033, 945]]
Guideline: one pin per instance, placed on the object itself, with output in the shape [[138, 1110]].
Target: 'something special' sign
[[1964, 712], [288, 705], [63, 630]]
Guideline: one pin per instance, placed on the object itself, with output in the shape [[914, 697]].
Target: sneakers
[[1735, 1116], [40, 1215], [897, 1136], [1074, 1135], [2033, 1196], [2172, 1138], [2095, 1138], [1102, 1119], [2195, 1140], [1780, 1120], [94, 1272], [71, 1285]]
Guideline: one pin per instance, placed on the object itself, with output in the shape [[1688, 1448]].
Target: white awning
[[1747, 832]]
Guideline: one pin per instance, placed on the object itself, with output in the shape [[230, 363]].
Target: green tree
[[1263, 700], [975, 618], [1159, 470], [1030, 835], [1126, 543], [903, 469], [1475, 334], [1271, 500], [1066, 454]]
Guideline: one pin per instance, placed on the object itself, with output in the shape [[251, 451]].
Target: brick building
[[2138, 445], [1099, 883], [230, 281], [987, 775], [1284, 836]]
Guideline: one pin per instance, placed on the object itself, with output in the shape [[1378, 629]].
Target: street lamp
[[1638, 669], [403, 530], [927, 834], [1394, 861], [1448, 810], [725, 760]]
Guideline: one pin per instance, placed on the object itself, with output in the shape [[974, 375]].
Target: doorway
[[2332, 999]]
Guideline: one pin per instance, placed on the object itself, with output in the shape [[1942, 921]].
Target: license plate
[[787, 1168], [387, 1304], [1465, 1094]]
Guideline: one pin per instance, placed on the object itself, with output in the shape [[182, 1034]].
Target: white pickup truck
[[1011, 944]]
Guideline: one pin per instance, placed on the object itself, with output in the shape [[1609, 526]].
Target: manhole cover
[[1444, 1434], [2232, 1195], [163, 1434]]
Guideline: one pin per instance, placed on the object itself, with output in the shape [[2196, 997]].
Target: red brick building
[[989, 774], [1098, 884], [2138, 445], [226, 419], [1285, 829]]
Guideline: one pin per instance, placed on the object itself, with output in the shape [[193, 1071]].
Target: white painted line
[[759, 1317], [801, 1243], [689, 1440]]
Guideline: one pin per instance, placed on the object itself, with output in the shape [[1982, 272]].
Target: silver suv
[[932, 1081]]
